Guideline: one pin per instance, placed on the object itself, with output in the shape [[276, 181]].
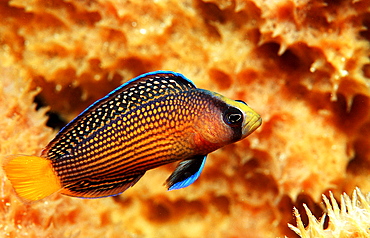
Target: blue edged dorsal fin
[[186, 172], [128, 96]]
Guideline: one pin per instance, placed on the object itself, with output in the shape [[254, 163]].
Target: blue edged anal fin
[[186, 172]]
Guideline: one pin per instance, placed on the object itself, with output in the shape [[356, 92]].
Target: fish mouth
[[253, 121]]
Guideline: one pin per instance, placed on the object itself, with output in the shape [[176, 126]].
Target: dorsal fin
[[131, 94]]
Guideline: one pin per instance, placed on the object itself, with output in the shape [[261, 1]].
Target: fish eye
[[242, 102], [233, 116]]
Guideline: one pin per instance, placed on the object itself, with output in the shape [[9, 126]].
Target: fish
[[155, 119]]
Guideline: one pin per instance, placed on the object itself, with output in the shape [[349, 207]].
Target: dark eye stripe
[[233, 117]]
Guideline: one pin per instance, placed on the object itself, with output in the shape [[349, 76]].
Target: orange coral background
[[303, 65]]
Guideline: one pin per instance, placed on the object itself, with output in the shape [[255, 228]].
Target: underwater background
[[302, 65]]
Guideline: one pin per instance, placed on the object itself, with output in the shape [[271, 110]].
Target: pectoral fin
[[186, 172]]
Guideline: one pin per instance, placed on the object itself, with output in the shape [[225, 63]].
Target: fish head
[[226, 121], [240, 116]]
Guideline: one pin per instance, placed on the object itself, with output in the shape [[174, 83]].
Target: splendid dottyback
[[152, 120]]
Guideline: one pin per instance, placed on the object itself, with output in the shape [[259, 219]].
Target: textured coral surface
[[303, 65], [349, 218]]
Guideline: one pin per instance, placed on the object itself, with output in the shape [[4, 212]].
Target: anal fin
[[99, 188], [186, 172]]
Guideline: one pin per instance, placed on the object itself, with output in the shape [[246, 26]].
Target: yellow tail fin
[[32, 177]]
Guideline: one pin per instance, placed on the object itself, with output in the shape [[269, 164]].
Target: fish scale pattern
[[109, 108], [129, 131]]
